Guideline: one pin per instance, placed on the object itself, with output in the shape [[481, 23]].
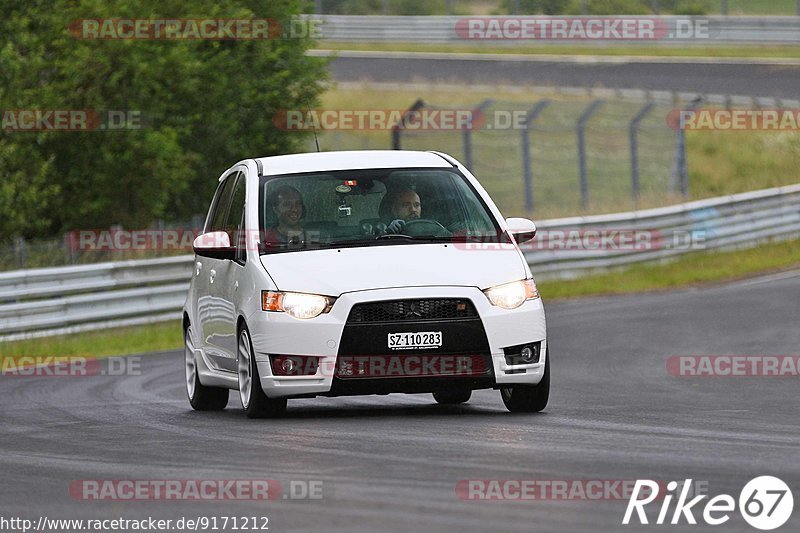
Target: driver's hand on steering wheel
[[396, 226]]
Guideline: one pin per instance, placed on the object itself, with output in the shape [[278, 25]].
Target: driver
[[404, 205]]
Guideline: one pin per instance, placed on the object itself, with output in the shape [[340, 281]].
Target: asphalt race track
[[766, 80], [393, 462]]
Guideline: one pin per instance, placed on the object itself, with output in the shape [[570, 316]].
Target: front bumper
[[280, 334]]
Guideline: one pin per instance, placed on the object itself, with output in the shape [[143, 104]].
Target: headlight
[[296, 304], [512, 295]]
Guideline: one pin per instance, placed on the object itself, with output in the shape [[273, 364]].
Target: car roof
[[348, 160]]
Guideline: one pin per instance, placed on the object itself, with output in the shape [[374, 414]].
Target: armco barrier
[[48, 301], [432, 29]]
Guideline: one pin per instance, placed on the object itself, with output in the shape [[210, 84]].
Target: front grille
[[412, 366], [416, 310]]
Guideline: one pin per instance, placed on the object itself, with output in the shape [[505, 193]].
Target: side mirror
[[522, 229], [215, 244]]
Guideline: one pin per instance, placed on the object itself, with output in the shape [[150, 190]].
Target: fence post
[[680, 171], [633, 135], [466, 132], [532, 115], [591, 110], [19, 244], [416, 106], [69, 246], [724, 7]]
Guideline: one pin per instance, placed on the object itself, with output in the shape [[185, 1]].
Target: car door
[[227, 287], [213, 310]]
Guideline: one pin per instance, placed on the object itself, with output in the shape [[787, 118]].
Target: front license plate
[[419, 339]]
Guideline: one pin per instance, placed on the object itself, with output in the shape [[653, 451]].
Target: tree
[[203, 104]]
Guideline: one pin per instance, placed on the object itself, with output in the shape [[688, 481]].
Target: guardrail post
[[466, 133], [633, 135], [416, 106], [532, 115], [581, 130], [724, 7]]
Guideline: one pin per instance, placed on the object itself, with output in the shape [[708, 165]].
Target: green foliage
[[204, 105], [537, 7], [381, 7], [609, 7]]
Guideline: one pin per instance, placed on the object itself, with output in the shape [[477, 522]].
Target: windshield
[[370, 207]]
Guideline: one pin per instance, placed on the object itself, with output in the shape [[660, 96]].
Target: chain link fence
[[547, 157], [99, 245]]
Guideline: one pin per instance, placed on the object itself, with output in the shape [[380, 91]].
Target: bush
[[206, 105]]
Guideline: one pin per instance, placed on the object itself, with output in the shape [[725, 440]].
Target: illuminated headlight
[[512, 295], [296, 304]]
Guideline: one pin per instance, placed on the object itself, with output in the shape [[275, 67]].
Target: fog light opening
[[523, 354], [527, 354]]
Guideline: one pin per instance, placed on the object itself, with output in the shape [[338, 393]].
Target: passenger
[[287, 204]]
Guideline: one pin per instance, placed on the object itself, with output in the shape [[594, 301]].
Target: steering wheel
[[425, 227]]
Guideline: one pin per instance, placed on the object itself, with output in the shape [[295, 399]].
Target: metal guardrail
[[49, 301], [432, 29]]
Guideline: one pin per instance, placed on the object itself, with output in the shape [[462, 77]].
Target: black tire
[[254, 402], [452, 397], [529, 398], [201, 397]]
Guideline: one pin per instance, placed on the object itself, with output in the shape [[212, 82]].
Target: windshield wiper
[[394, 236]]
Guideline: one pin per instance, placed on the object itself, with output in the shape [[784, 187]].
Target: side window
[[234, 223], [222, 204]]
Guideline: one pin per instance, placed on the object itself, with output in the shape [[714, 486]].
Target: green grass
[[760, 7], [136, 339], [691, 269], [599, 49]]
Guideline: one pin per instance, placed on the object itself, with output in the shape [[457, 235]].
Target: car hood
[[337, 271]]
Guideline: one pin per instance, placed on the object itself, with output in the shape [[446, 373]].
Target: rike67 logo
[[765, 503]]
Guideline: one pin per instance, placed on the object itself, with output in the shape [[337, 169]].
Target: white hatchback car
[[365, 272]]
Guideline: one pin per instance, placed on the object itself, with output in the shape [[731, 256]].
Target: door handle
[[236, 285], [211, 275], [198, 266]]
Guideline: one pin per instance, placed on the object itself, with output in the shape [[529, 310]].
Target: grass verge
[[691, 269], [119, 341], [610, 49]]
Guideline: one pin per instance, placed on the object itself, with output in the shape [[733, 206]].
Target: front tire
[[529, 398], [254, 402], [452, 397], [201, 398]]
